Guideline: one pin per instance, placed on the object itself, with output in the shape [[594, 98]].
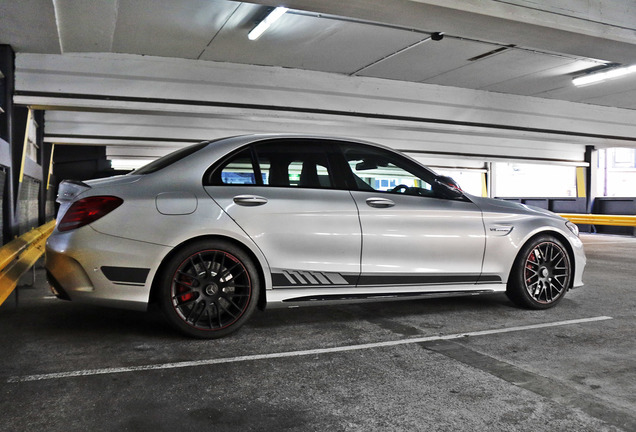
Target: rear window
[[283, 163], [169, 159]]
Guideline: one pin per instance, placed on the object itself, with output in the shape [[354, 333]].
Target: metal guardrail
[[19, 255], [598, 219]]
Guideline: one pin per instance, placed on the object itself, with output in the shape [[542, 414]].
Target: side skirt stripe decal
[[293, 279]]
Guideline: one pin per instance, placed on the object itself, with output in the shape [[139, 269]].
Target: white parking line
[[601, 239], [116, 370], [595, 243]]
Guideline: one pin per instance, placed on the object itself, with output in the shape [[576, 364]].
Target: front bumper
[[579, 262]]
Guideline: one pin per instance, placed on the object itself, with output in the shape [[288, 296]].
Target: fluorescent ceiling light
[[597, 77], [266, 22]]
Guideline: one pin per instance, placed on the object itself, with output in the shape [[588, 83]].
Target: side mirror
[[447, 187]]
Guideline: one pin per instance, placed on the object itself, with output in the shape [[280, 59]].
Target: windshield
[[169, 159]]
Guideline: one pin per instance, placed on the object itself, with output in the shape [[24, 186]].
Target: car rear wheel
[[209, 289], [541, 274]]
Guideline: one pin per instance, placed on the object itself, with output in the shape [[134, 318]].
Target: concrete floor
[[71, 367]]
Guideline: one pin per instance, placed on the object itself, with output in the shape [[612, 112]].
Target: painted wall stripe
[[254, 357], [580, 182]]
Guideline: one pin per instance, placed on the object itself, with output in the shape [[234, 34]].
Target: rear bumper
[[113, 271], [56, 288]]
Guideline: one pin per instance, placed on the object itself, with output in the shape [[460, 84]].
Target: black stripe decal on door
[[416, 279]]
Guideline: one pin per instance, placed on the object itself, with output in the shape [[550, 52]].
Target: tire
[[209, 289], [541, 274]]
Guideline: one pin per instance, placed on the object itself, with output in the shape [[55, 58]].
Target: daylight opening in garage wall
[[534, 180], [616, 174]]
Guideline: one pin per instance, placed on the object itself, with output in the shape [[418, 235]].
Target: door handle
[[249, 200], [379, 202]]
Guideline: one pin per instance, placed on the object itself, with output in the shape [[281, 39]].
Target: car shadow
[[80, 320], [345, 313]]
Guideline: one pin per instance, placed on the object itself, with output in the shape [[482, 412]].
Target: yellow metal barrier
[[19, 255], [597, 219]]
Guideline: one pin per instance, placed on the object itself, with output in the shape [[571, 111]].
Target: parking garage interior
[[529, 102]]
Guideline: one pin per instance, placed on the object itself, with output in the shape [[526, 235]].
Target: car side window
[[382, 171], [238, 170], [294, 164]]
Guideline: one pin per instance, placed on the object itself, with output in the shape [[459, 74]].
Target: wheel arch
[[562, 238], [262, 301]]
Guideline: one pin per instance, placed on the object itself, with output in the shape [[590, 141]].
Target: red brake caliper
[[183, 289]]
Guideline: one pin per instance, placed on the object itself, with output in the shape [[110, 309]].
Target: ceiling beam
[[111, 81]]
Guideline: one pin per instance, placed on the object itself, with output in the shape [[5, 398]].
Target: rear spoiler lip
[[77, 182], [69, 189]]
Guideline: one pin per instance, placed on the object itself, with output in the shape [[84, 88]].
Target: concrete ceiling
[[518, 47]]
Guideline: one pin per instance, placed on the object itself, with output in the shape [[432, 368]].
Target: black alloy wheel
[[210, 289], [541, 274]]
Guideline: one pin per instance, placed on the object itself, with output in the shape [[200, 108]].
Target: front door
[[411, 234]]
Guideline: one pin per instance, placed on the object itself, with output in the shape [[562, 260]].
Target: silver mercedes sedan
[[215, 230]]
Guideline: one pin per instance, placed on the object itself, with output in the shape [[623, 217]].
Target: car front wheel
[[541, 274], [209, 289]]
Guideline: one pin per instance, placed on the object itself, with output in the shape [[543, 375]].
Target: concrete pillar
[[591, 157], [9, 122], [45, 161]]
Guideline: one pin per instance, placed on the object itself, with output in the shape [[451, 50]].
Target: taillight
[[87, 210]]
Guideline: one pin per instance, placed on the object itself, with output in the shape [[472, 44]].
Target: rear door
[[285, 195]]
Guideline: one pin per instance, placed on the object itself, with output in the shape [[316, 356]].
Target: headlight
[[572, 227]]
